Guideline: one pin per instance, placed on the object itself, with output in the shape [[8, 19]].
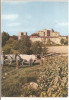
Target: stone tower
[[21, 34]]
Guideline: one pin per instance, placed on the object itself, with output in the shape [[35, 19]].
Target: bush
[[24, 45], [49, 42], [36, 47], [10, 46], [64, 41]]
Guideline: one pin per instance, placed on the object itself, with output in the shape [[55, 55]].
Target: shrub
[[24, 45], [48, 42], [36, 47], [64, 41]]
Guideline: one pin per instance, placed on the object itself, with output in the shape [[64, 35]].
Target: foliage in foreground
[[52, 79]]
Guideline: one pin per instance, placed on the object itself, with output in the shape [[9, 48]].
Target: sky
[[26, 16]]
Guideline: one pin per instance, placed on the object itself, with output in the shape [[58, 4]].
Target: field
[[47, 80], [58, 50]]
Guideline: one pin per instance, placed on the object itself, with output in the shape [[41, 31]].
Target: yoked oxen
[[23, 58]]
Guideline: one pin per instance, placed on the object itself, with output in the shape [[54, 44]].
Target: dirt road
[[58, 50]]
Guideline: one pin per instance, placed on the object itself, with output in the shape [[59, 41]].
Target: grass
[[52, 79]]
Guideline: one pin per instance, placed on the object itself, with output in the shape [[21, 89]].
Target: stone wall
[[41, 33], [54, 34], [33, 39], [55, 40]]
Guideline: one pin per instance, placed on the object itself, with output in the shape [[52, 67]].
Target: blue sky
[[34, 16]]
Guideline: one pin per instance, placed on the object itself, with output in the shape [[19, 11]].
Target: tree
[[14, 37], [48, 42], [16, 45], [7, 49], [5, 37], [36, 47], [66, 41], [62, 41], [24, 45], [44, 47], [10, 46]]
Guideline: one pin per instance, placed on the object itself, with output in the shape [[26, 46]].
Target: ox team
[[20, 59]]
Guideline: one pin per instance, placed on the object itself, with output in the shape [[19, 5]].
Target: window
[[21, 33]]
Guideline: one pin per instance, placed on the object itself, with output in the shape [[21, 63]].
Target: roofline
[[47, 36]]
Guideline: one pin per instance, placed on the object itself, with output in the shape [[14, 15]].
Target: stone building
[[21, 34], [51, 35]]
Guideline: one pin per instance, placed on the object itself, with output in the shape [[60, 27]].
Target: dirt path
[[58, 50]]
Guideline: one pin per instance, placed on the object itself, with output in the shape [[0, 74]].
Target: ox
[[28, 58], [9, 58]]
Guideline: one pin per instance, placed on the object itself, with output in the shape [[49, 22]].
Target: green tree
[[66, 41], [14, 37], [10, 46], [16, 45], [5, 37], [24, 45], [36, 47], [62, 41], [7, 49]]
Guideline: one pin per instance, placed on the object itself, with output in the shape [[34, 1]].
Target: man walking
[[17, 61], [30, 62]]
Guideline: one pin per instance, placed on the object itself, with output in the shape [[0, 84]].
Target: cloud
[[9, 16], [63, 24], [13, 24]]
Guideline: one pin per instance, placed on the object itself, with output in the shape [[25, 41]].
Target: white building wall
[[33, 39], [54, 34], [55, 40]]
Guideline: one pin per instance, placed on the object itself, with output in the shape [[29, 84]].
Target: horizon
[[35, 32], [31, 17]]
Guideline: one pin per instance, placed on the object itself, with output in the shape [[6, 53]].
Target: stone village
[[51, 35]]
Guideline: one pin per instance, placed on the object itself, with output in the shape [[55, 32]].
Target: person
[[17, 61], [41, 54], [21, 61], [41, 60], [31, 61]]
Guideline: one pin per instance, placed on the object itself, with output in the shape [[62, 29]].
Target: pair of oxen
[[10, 58]]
